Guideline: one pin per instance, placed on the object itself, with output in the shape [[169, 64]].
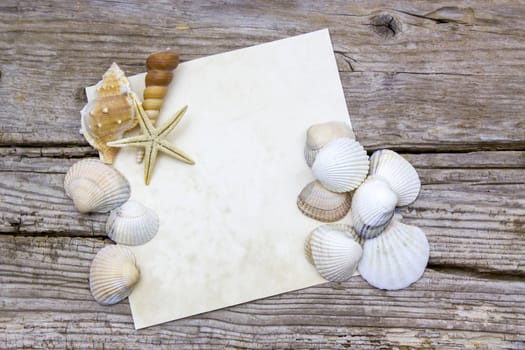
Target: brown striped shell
[[160, 68], [317, 202]]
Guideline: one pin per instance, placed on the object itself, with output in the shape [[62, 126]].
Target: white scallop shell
[[319, 135], [341, 165], [95, 186], [335, 251], [373, 206], [132, 224], [113, 274], [398, 172], [317, 202], [395, 259]]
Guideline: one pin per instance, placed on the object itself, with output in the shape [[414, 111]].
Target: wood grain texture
[[442, 82], [46, 304], [471, 205], [456, 72]]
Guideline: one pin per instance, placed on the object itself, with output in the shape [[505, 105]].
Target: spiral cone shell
[[160, 66]]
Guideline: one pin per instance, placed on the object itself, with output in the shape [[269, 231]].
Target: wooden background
[[443, 83]]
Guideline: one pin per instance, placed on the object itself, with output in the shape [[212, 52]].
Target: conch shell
[[160, 66], [110, 114]]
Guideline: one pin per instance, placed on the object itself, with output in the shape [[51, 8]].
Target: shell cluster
[[339, 163], [388, 254], [110, 114], [98, 187]]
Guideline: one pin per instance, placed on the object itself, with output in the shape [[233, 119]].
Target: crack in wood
[[469, 271], [447, 14]]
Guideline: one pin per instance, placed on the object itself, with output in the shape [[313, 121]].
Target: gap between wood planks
[[80, 150]]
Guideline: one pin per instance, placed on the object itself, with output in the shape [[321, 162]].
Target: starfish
[[153, 139]]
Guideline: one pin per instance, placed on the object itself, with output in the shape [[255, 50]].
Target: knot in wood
[[386, 25]]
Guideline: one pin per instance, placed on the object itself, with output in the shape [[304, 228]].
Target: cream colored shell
[[96, 187], [373, 206], [132, 224], [335, 251], [395, 259], [113, 274], [341, 165], [319, 135], [317, 202]]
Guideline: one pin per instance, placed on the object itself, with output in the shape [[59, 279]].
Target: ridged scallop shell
[[341, 165], [110, 114], [132, 224], [319, 135], [398, 172], [395, 259], [317, 202], [96, 187], [373, 206], [113, 274], [335, 251]]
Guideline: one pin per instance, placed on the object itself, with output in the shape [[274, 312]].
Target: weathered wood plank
[[432, 112], [471, 205], [416, 75], [45, 302]]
